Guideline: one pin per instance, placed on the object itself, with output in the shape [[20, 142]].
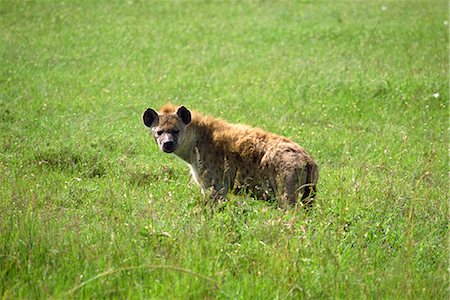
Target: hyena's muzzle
[[167, 142]]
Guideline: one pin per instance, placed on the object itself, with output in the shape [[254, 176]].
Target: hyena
[[227, 157]]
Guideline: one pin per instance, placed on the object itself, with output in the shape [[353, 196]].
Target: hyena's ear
[[184, 114], [150, 117]]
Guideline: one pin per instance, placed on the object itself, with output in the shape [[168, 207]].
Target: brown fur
[[231, 157]]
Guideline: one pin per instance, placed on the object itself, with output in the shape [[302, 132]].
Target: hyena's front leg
[[219, 183], [215, 175], [213, 185], [218, 192]]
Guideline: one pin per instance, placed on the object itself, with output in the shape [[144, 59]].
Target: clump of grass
[[83, 163], [143, 176]]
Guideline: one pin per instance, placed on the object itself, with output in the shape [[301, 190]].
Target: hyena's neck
[[186, 151], [198, 139]]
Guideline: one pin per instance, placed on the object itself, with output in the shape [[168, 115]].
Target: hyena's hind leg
[[298, 183], [308, 190], [287, 189]]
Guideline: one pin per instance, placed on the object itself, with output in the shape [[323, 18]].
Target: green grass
[[90, 209]]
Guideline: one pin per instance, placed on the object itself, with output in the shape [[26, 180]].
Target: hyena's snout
[[169, 147], [168, 143]]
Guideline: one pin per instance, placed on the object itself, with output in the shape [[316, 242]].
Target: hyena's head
[[168, 127]]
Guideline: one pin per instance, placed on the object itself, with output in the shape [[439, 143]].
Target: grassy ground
[[90, 209]]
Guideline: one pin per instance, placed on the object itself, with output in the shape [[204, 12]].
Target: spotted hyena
[[227, 157]]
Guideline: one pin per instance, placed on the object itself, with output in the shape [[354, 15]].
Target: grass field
[[90, 209]]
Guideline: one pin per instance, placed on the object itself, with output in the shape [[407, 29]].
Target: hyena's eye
[[159, 132], [176, 131]]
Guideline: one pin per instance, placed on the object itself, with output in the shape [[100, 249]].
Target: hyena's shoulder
[[240, 139]]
